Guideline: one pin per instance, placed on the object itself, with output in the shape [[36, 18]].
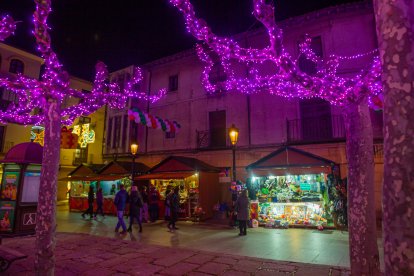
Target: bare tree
[[288, 80], [395, 32]]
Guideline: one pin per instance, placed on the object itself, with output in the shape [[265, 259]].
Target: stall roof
[[165, 175], [122, 168], [86, 170], [24, 153], [288, 157], [182, 164]]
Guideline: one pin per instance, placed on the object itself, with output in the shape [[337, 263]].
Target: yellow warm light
[[233, 134], [134, 148]]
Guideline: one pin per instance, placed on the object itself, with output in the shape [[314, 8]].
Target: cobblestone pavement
[[83, 254]]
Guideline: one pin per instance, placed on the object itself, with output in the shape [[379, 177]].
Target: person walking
[[99, 203], [144, 209], [174, 199], [91, 198], [120, 201], [242, 207], [135, 204], [154, 198], [167, 212]]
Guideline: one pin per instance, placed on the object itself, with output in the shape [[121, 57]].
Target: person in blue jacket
[[120, 201]]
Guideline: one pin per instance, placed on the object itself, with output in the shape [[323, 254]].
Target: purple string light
[[287, 79], [7, 27]]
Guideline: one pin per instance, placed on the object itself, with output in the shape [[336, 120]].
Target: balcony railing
[[207, 139], [80, 157], [313, 130]]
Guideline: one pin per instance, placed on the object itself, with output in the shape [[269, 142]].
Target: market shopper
[[242, 207], [153, 198], [91, 198], [167, 204], [135, 204], [99, 203], [144, 209], [174, 208], [120, 201]]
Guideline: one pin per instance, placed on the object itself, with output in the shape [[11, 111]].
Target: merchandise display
[[291, 200], [189, 193]]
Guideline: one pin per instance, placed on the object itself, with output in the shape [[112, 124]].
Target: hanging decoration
[[37, 134], [151, 121], [86, 135], [287, 79]]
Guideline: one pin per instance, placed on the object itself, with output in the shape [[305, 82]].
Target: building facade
[[13, 61], [265, 122]]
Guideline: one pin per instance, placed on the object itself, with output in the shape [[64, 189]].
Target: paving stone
[[94, 272], [236, 273], [196, 273], [248, 265], [311, 271], [91, 260], [269, 272], [179, 269], [282, 267], [145, 269], [225, 260], [200, 258], [213, 268], [173, 259], [107, 255]]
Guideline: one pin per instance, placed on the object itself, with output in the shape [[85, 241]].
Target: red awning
[[166, 175]]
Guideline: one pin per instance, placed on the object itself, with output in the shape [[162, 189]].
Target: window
[[170, 135], [7, 97], [133, 132], [2, 135], [117, 131], [217, 73], [124, 131], [307, 66], [109, 134], [173, 83], [217, 122], [16, 66]]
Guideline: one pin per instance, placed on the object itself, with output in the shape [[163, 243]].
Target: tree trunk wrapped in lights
[[395, 32], [40, 102], [289, 81]]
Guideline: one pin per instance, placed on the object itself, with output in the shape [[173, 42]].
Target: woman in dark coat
[[135, 204], [242, 207]]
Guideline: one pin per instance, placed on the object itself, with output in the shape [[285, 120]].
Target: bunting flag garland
[[151, 121]]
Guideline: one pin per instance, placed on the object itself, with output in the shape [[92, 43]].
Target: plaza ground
[[88, 247]]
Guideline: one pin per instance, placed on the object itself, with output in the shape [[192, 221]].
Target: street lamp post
[[234, 135], [134, 150]]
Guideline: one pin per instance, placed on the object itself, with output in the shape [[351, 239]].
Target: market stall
[[19, 189], [198, 183], [108, 177], [291, 187]]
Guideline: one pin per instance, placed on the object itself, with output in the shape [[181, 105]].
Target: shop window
[[173, 83], [307, 66], [31, 185], [217, 123], [16, 66]]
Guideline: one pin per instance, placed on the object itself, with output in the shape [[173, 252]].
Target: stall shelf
[[291, 187]]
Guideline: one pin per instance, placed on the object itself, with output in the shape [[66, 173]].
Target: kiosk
[[19, 189]]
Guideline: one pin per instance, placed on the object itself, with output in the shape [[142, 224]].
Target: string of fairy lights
[[32, 95], [287, 79]]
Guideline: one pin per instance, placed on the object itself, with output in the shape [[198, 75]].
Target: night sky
[[126, 32]]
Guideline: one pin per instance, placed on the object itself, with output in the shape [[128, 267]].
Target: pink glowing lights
[[7, 27], [287, 79], [32, 94]]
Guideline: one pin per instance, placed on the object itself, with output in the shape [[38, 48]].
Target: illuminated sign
[[86, 135]]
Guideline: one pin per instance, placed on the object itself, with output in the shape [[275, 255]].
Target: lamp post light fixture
[[134, 150], [234, 135]]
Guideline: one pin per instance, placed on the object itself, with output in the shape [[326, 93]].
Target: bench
[[8, 256]]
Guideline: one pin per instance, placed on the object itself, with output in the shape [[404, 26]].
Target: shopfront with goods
[[294, 188]]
